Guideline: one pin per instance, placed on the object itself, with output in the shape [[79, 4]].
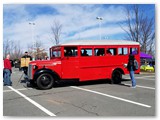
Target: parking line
[[107, 95], [146, 76], [18, 89], [142, 78], [33, 102], [145, 79], [142, 86]]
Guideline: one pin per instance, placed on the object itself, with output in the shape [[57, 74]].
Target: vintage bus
[[84, 60]]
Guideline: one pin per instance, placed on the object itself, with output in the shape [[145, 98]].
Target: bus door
[[70, 63], [85, 64]]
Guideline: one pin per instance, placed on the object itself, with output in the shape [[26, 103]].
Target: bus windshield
[[56, 52]]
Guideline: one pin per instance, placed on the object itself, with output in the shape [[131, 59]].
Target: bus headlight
[[35, 67], [125, 65]]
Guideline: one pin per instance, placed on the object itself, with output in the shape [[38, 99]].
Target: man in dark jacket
[[25, 69], [131, 69]]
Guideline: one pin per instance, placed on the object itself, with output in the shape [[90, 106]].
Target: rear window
[[134, 51]]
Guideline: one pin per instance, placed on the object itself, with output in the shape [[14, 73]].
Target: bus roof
[[99, 42]]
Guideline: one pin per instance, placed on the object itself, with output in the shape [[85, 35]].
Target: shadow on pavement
[[67, 83]]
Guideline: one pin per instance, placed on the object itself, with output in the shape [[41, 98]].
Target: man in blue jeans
[[7, 77], [7, 70], [131, 69]]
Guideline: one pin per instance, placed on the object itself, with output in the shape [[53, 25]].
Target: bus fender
[[119, 69], [116, 76], [44, 70]]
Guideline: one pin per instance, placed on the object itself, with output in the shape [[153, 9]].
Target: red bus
[[84, 60]]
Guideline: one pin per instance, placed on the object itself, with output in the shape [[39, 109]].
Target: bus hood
[[45, 63]]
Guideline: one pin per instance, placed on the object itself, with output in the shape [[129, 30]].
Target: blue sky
[[78, 21]]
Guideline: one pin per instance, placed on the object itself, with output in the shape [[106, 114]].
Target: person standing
[[46, 57], [25, 68], [7, 70], [131, 69]]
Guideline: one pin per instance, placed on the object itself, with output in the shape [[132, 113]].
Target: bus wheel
[[116, 77], [45, 81]]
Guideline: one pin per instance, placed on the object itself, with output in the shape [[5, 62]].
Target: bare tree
[[37, 51], [56, 31], [140, 28], [151, 47], [30, 49], [13, 48], [147, 34], [132, 30], [17, 50], [6, 47]]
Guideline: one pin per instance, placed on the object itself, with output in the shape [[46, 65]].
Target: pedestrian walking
[[7, 70], [132, 66]]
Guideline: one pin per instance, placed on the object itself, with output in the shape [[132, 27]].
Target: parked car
[[147, 68], [17, 64], [12, 63]]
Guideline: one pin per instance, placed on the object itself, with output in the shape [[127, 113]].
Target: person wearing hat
[[25, 69], [131, 69], [27, 56]]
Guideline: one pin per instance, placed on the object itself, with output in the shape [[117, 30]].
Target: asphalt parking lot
[[94, 98]]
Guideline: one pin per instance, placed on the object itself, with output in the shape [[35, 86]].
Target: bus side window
[[111, 51], [122, 51], [134, 51], [99, 52], [70, 51], [86, 52]]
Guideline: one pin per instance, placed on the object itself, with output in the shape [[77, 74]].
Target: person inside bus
[[85, 53], [108, 52], [67, 52], [130, 67], [100, 52]]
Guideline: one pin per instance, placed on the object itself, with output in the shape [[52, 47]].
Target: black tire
[[45, 81], [33, 83], [116, 77]]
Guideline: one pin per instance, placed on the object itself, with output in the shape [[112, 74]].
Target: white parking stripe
[[145, 79], [107, 95], [142, 78], [142, 86], [18, 89], [33, 102], [145, 76]]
